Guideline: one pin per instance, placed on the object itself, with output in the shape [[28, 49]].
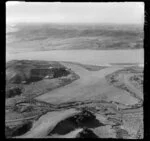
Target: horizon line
[[38, 22]]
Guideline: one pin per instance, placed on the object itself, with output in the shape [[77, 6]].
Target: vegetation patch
[[19, 130], [27, 79], [85, 119], [12, 92]]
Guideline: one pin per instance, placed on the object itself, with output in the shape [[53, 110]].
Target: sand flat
[[90, 85], [92, 57], [47, 122]]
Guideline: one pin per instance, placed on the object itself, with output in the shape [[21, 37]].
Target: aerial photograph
[[74, 70]]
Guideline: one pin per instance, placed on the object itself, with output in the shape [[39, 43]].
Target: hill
[[43, 37]]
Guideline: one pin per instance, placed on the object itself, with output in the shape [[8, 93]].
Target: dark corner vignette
[[146, 70], [43, 84]]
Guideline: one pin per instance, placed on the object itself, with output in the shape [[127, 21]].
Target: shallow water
[[95, 57]]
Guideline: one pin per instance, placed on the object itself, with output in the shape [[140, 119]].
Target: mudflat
[[91, 57], [99, 101]]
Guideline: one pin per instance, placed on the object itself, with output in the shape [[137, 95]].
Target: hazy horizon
[[73, 23], [58, 25]]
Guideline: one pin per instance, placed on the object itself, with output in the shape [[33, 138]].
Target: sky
[[58, 12]]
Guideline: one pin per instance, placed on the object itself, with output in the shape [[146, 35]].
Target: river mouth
[[91, 57], [92, 83]]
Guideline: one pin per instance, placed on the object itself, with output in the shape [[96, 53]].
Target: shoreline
[[89, 57]]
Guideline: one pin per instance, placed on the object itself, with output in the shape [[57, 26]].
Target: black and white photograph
[[74, 70]]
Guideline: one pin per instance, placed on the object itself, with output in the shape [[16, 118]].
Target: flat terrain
[[89, 57], [90, 86], [99, 102]]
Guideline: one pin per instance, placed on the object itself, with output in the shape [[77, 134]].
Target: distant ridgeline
[[51, 37]]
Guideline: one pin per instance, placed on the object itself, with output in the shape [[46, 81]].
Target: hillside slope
[[43, 37]]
